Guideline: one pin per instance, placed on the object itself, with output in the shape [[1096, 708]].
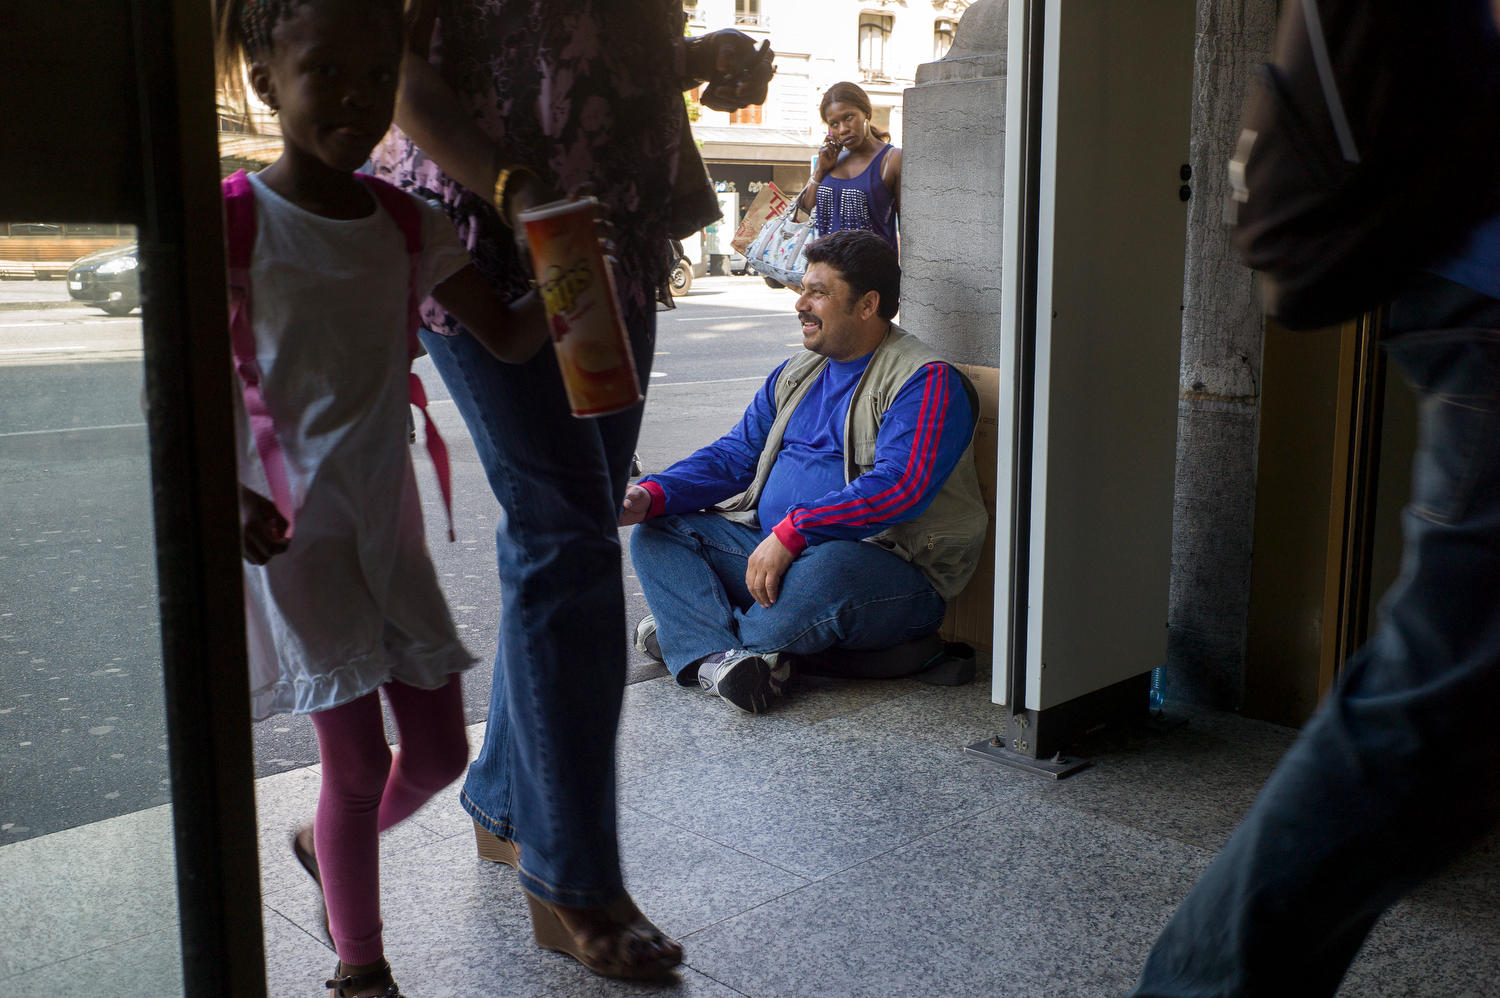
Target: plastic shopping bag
[[779, 251]]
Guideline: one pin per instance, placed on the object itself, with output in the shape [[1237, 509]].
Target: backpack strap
[[239, 214], [402, 207]]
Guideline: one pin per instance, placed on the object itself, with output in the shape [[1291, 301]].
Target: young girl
[[856, 182], [343, 601]]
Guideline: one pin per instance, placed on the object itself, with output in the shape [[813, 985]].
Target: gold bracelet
[[501, 183]]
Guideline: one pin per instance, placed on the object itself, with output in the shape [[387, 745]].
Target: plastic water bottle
[[1158, 685]]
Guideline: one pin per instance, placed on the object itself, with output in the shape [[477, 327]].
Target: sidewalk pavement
[[29, 295], [842, 844]]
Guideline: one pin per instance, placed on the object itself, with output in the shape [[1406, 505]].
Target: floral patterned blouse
[[582, 92]]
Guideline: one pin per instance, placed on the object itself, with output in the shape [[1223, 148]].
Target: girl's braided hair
[[242, 34], [257, 18], [243, 31]]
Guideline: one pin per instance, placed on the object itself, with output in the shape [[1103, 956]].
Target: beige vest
[[946, 540]]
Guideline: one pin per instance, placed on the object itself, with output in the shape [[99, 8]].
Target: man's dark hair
[[865, 262]]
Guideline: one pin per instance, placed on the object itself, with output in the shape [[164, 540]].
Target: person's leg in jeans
[[844, 594], [545, 775], [1394, 776], [691, 568]]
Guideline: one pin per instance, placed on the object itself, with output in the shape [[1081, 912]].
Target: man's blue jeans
[[838, 594], [1398, 772], [545, 775]]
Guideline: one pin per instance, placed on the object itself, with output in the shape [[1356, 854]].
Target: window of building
[[874, 32], [746, 115], [942, 37], [747, 13]]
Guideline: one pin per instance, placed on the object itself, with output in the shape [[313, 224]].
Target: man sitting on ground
[[858, 512]]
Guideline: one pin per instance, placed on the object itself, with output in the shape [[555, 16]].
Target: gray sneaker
[[743, 678], [781, 672], [645, 638]]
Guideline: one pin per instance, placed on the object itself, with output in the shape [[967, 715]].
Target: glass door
[[128, 857], [86, 824]]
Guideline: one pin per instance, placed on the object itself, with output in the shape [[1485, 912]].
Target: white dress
[[354, 601]]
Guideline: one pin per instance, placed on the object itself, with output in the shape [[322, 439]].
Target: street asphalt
[[34, 295]]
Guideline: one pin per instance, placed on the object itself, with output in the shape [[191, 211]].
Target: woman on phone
[[856, 183]]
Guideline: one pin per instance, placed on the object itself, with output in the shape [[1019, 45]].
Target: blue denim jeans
[[545, 775], [1395, 775], [839, 594]]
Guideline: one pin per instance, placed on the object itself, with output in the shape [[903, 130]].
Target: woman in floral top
[[568, 96]]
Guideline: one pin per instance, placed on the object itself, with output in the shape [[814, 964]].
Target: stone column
[[952, 191], [1219, 392]]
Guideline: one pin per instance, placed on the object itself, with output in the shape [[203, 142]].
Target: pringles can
[[583, 309]]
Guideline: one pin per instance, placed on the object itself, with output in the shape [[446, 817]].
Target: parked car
[[108, 279], [680, 281]]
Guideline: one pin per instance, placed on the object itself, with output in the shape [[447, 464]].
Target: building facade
[[877, 44]]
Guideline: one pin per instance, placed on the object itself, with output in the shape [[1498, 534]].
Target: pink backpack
[[239, 209]]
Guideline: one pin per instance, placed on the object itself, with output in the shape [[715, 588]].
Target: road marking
[[731, 318], [67, 349], [659, 374], [716, 381], [73, 429], [41, 323]]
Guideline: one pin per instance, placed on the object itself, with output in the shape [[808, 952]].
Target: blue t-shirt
[[811, 460]]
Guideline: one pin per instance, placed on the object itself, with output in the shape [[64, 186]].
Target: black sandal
[[343, 987], [309, 860]]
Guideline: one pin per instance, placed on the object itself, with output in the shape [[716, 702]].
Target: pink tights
[[364, 793]]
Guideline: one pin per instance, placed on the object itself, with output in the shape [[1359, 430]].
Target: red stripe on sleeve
[[914, 481]]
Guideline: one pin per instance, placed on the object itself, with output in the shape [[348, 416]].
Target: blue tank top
[[862, 202]]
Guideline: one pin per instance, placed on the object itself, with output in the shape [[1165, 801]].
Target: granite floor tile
[[815, 699], [87, 888], [1429, 947], [443, 817], [664, 726], [1474, 879], [296, 963], [145, 966], [282, 802], [1046, 901], [813, 801], [685, 882], [944, 716], [841, 844], [1193, 782], [663, 723]]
